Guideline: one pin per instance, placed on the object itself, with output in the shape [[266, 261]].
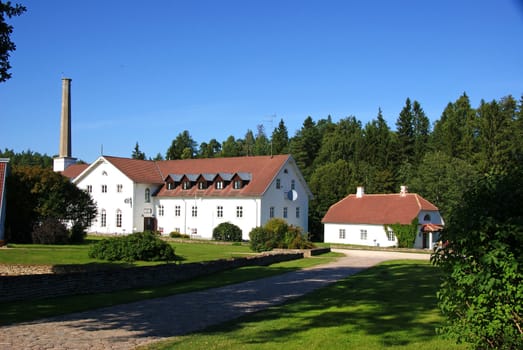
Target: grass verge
[[391, 306], [14, 312]]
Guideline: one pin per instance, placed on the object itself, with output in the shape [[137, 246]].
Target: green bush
[[144, 246], [277, 234], [227, 232], [50, 231], [176, 234]]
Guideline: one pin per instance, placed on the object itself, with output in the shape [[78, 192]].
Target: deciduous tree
[[6, 45]]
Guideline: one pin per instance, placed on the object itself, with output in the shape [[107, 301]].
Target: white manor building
[[193, 196]]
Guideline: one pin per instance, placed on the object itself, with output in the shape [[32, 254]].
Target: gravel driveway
[[129, 325]]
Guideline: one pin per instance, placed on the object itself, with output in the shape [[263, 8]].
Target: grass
[[392, 306], [14, 312], [38, 254]]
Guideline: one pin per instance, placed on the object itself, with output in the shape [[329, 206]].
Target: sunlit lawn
[[389, 306], [37, 254]]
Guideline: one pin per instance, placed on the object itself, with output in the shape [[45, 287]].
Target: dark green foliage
[[6, 45], [143, 246], [406, 234], [276, 233], [482, 292], [137, 154], [50, 231], [28, 158], [227, 232], [35, 194]]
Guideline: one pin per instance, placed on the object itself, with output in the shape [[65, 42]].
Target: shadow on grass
[[394, 303]]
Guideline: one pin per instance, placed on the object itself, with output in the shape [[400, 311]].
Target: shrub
[[278, 234], [144, 246], [227, 232], [176, 234], [260, 239], [77, 234], [50, 231]]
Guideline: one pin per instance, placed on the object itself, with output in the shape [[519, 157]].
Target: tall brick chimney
[[64, 158]]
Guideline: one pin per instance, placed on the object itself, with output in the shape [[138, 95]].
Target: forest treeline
[[437, 161]]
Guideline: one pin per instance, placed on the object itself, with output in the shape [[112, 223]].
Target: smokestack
[[65, 128], [64, 158]]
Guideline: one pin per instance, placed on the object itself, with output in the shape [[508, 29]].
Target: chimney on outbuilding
[[64, 158], [360, 191], [403, 191]]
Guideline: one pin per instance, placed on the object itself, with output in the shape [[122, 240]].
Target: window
[[219, 185], [186, 185], [147, 195], [390, 235], [363, 235], [104, 188], [237, 184], [160, 210], [239, 212], [202, 185], [293, 185], [89, 189], [194, 211], [342, 233], [170, 185], [271, 212], [297, 212], [177, 211], [285, 212], [219, 211], [118, 218], [426, 217], [119, 188], [194, 231], [278, 184], [103, 218]]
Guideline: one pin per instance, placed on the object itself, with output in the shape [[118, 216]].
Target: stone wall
[[46, 285]]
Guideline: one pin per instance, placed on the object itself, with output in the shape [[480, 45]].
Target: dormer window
[[219, 185], [186, 185], [237, 184], [202, 185], [170, 186]]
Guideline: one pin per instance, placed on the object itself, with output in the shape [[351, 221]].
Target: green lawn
[[37, 254], [389, 306]]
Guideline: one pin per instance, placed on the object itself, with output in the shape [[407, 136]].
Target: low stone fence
[[58, 283]]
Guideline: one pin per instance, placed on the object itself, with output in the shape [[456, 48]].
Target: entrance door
[[149, 224], [426, 238]]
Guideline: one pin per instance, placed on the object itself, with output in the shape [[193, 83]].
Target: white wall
[[376, 235], [207, 215], [278, 199]]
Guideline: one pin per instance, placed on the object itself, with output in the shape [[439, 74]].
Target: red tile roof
[[261, 170], [378, 209], [3, 174], [140, 171], [74, 170]]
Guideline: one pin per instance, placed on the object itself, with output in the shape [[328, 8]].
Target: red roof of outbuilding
[[378, 209], [3, 175]]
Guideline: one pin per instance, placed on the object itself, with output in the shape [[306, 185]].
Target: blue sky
[[145, 71]]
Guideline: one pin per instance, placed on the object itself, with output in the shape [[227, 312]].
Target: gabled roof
[[378, 209], [258, 170], [74, 170], [139, 171]]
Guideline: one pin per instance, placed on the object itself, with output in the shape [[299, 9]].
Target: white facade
[[125, 206], [381, 235]]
